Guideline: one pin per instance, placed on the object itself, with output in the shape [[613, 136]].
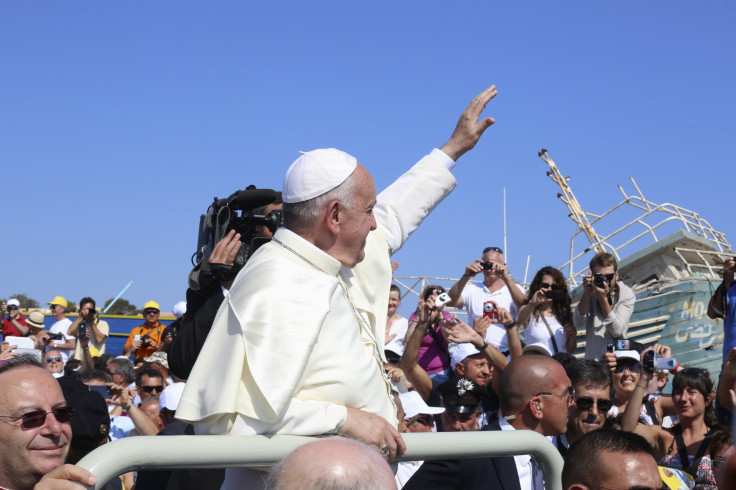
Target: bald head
[[525, 377], [334, 463]]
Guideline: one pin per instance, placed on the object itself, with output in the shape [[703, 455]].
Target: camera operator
[[202, 304], [14, 325], [498, 286], [87, 321], [605, 306]]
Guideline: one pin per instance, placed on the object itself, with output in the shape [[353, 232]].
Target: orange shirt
[[154, 333]]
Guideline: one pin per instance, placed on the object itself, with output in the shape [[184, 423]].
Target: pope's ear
[[332, 216]]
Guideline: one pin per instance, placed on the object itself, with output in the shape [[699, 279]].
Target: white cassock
[[300, 337]]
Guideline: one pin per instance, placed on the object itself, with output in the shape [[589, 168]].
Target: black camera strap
[[551, 335], [432, 330], [691, 469]]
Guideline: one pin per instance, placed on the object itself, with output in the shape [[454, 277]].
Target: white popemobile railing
[[134, 453]]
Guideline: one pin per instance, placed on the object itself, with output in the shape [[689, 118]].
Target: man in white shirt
[[67, 344], [301, 333], [498, 287]]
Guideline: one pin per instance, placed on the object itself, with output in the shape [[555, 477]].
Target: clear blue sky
[[120, 121]]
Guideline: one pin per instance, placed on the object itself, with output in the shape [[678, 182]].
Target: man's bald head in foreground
[[333, 463], [535, 394]]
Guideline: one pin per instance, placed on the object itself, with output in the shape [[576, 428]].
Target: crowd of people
[[300, 346]]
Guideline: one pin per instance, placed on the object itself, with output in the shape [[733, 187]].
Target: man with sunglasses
[[605, 306], [497, 286], [14, 325], [35, 427], [591, 382], [145, 339]]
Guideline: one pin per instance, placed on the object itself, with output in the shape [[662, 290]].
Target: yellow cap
[[93, 352], [58, 301], [152, 304]]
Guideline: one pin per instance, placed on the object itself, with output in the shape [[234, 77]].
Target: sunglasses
[[51, 359], [693, 371], [148, 311], [586, 403], [12, 308], [493, 249], [633, 368], [546, 285], [37, 418], [425, 419], [149, 389]]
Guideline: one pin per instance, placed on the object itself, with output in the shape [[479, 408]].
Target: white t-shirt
[[474, 295], [398, 343], [536, 332], [62, 326]]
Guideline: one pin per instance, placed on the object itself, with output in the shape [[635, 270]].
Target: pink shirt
[[432, 357]]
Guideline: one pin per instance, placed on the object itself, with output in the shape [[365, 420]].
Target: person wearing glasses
[[546, 315], [605, 306], [535, 395], [684, 446], [145, 339], [497, 286], [35, 428], [54, 363], [14, 325], [591, 382], [149, 382], [626, 369], [68, 343]]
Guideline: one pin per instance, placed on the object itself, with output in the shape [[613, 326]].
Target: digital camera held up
[[489, 310], [652, 362]]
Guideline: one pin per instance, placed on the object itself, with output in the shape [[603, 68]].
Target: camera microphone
[[249, 198]]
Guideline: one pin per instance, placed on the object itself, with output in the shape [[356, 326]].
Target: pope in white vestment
[[300, 336], [299, 339]]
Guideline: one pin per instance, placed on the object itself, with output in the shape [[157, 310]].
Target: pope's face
[[358, 221], [32, 452]]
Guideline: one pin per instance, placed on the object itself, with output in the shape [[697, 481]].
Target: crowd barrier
[[151, 452]]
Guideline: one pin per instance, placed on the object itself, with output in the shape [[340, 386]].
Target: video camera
[[232, 213]]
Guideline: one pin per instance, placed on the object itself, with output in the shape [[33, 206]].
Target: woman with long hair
[[684, 446], [546, 315]]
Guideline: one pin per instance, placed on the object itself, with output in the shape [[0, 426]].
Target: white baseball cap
[[316, 172], [179, 309], [170, 396], [461, 351], [414, 405]]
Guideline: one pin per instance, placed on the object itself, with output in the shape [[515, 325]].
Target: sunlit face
[[394, 300], [624, 383], [29, 454], [358, 220], [582, 421], [690, 403], [475, 368], [153, 412], [460, 422], [555, 406], [53, 361]]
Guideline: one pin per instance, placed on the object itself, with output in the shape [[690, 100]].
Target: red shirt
[[10, 330]]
